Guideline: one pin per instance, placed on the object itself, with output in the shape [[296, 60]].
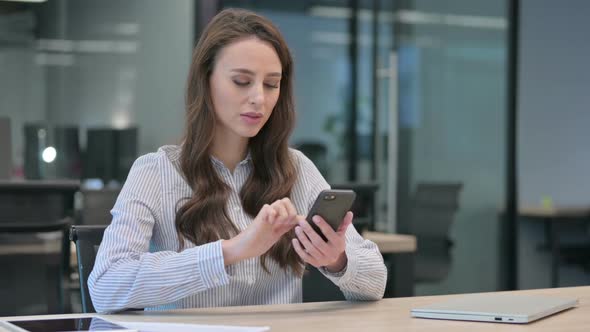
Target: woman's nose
[[257, 94]]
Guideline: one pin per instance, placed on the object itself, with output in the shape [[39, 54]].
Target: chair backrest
[[317, 152], [434, 207], [87, 240]]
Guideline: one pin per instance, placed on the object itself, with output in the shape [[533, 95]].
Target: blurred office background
[[452, 116]]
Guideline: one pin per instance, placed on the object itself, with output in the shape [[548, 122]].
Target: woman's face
[[245, 87]]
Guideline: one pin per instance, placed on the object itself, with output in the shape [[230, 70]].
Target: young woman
[[219, 220]]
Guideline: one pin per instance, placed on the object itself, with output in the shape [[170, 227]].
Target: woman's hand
[[317, 252], [272, 222]]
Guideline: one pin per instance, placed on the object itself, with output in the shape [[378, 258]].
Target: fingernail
[[316, 219]]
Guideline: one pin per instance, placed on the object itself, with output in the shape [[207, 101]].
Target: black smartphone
[[331, 205]]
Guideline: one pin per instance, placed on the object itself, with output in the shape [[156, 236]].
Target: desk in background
[[553, 218], [36, 200], [30, 207], [398, 254], [397, 250], [26, 202], [385, 315]]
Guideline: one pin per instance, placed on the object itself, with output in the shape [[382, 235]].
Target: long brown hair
[[203, 217]]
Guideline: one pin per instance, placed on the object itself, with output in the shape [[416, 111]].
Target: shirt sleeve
[[126, 274], [365, 275]]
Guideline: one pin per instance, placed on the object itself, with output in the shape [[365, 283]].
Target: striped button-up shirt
[[139, 265]]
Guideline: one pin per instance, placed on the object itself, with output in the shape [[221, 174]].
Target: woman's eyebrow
[[249, 72]]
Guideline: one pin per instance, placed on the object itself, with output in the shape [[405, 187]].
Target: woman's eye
[[241, 83], [272, 86]]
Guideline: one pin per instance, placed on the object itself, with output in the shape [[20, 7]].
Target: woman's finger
[[305, 256], [269, 213], [326, 229], [289, 206], [345, 223], [314, 237], [307, 244], [281, 210]]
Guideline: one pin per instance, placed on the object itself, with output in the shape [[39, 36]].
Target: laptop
[[498, 308]]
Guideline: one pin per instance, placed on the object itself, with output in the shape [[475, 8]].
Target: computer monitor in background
[[62, 162], [109, 153], [5, 149], [68, 162], [126, 152], [35, 142], [99, 155]]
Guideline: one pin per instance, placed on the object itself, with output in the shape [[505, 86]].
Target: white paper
[[181, 327]]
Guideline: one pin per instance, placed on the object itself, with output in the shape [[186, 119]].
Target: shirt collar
[[219, 163]]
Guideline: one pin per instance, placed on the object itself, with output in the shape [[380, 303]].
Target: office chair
[[434, 206], [110, 153], [317, 152], [61, 264], [87, 240]]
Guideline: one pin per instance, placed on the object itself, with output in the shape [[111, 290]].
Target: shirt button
[[216, 280], [250, 280], [237, 209]]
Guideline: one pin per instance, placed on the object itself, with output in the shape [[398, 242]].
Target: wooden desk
[[392, 243], [398, 253], [385, 315], [554, 212], [553, 217]]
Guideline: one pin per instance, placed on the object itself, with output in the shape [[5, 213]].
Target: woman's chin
[[250, 132]]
